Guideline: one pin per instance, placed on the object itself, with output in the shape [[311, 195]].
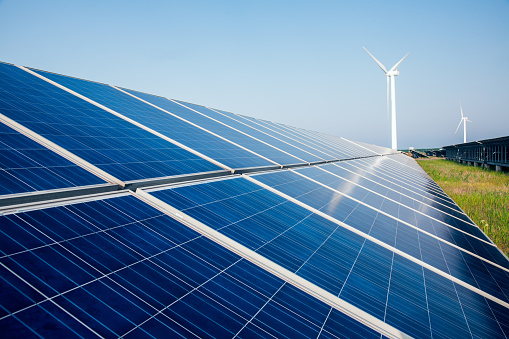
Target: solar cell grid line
[[112, 144], [451, 259], [157, 284], [324, 148], [254, 123], [357, 166], [244, 140], [367, 180], [26, 166], [229, 121], [397, 197], [161, 124], [440, 229], [185, 196]]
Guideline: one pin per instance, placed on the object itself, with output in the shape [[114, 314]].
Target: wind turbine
[[463, 120], [391, 95]]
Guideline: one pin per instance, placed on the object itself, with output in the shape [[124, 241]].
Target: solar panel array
[[125, 214]]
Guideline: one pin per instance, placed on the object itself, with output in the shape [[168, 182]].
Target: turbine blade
[[378, 62], [388, 96], [395, 67], [461, 110], [458, 126]]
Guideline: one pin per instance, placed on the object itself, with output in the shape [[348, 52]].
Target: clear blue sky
[[295, 62]]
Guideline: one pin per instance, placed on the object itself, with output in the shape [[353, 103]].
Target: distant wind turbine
[[391, 95], [463, 120]]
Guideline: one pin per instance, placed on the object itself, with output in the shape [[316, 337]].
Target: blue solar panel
[[241, 139], [440, 255], [327, 255], [366, 179], [162, 122], [403, 211], [114, 266], [117, 267], [310, 154], [331, 142], [110, 143], [26, 166], [341, 150], [386, 168]]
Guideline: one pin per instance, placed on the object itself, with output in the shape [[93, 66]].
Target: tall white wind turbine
[[391, 95], [463, 120]]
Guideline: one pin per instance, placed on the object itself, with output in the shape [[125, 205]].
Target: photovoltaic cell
[[162, 122], [328, 255], [117, 267], [114, 145], [26, 166]]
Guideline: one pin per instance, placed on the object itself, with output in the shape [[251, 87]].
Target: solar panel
[[255, 228], [260, 134], [26, 166], [328, 255], [160, 121], [130, 270], [110, 143], [402, 236]]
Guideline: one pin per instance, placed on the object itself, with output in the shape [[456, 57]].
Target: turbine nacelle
[[392, 73]]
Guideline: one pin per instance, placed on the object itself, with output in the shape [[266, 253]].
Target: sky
[[300, 63]]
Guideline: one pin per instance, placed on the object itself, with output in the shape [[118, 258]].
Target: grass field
[[481, 193]]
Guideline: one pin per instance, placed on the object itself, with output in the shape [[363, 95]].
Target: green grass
[[481, 193]]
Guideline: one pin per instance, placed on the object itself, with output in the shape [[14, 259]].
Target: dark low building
[[487, 153]]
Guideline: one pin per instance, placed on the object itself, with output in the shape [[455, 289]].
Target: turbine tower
[[391, 95], [463, 120]]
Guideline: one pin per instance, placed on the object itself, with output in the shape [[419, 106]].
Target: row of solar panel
[[118, 267], [174, 139], [377, 231]]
